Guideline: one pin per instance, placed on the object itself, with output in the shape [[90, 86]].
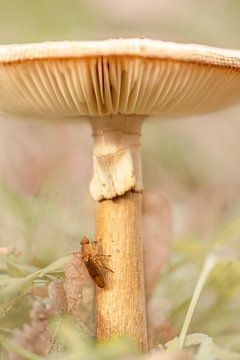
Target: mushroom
[[116, 84]]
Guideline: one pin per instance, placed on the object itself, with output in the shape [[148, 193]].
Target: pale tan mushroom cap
[[128, 76]]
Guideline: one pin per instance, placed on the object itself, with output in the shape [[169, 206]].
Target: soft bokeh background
[[45, 168], [193, 161]]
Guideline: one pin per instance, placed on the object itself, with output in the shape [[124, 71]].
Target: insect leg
[[106, 268]]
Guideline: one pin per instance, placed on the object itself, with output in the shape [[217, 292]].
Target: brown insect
[[92, 261]]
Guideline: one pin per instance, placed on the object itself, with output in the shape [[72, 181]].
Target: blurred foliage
[[216, 313], [218, 310], [198, 169], [45, 19], [215, 22]]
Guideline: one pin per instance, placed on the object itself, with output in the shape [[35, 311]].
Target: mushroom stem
[[120, 306], [117, 166], [117, 186]]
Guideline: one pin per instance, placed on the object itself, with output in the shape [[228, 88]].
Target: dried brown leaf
[[157, 233], [57, 296], [73, 282], [35, 336], [41, 291]]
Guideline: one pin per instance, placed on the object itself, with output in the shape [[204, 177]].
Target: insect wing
[[95, 272], [99, 280]]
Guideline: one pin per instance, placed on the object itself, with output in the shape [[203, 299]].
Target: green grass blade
[[208, 266]]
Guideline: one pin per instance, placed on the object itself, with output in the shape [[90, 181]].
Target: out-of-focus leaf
[[207, 349], [15, 270], [69, 335], [11, 345], [227, 234], [117, 349], [54, 267], [163, 355], [18, 286], [226, 279], [218, 310]]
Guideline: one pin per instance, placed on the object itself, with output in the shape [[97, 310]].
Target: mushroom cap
[[128, 76]]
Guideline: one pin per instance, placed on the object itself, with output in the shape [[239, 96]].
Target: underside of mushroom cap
[[128, 76]]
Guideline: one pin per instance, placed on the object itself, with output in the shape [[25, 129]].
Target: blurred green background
[[212, 22], [45, 168]]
